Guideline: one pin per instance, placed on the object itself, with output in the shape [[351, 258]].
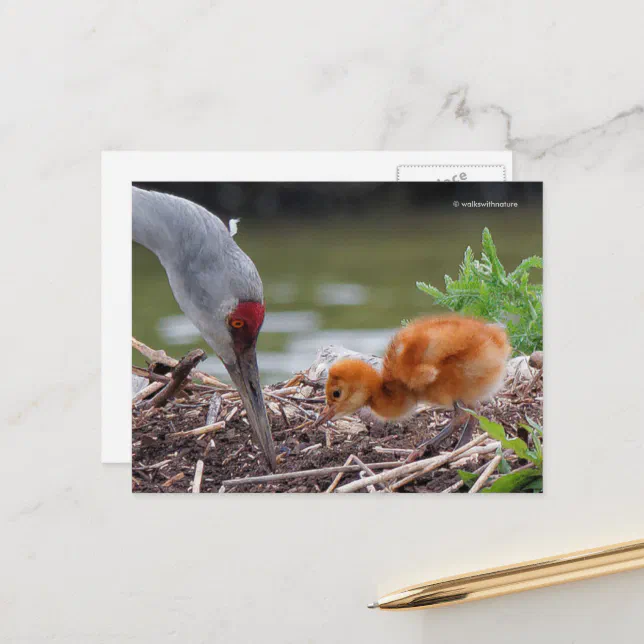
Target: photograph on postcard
[[337, 337]]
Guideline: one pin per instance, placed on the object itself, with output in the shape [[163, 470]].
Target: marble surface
[[558, 83]]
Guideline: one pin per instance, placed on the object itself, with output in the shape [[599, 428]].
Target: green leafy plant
[[484, 289], [522, 480]]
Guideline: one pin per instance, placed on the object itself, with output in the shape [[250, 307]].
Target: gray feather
[[208, 272]]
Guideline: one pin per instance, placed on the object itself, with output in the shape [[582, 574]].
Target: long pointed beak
[[245, 376], [326, 414]]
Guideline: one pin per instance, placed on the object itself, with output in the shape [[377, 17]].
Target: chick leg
[[469, 424], [466, 432], [431, 445]]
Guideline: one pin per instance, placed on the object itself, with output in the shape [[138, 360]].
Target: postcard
[[280, 345]]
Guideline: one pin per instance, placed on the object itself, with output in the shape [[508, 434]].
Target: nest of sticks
[[190, 434]]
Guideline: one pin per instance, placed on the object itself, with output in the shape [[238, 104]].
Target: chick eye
[[336, 393], [237, 324]]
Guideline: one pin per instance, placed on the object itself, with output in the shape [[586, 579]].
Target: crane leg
[[460, 419]]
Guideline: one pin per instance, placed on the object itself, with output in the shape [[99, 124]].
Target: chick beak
[[245, 375], [325, 415]]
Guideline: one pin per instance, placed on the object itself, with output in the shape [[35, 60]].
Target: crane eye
[[237, 324], [336, 393]]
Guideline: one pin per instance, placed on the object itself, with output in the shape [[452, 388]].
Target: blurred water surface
[[339, 281]]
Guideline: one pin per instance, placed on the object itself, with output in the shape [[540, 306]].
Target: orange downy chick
[[441, 360], [448, 359]]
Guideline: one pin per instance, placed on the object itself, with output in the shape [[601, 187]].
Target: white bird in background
[[215, 284]]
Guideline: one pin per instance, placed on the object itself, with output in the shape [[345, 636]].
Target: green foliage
[[496, 431], [484, 289], [504, 466], [469, 478], [528, 480], [521, 481]]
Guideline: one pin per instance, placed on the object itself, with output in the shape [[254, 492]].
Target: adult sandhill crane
[[215, 284]]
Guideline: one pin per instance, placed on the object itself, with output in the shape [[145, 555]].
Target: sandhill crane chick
[[447, 360]]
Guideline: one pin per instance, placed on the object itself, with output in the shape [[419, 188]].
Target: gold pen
[[516, 578]]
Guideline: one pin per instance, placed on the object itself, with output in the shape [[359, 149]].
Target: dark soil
[[162, 464]]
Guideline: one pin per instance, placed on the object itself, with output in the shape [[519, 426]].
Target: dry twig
[[196, 482], [366, 469], [324, 471], [154, 466], [180, 373], [487, 472], [474, 452], [394, 451], [460, 483], [338, 478], [414, 470], [161, 357], [443, 461], [310, 448], [206, 429], [152, 388], [173, 479]]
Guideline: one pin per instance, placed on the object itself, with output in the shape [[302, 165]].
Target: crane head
[[243, 323]]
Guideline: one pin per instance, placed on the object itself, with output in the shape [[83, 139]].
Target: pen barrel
[[516, 578]]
